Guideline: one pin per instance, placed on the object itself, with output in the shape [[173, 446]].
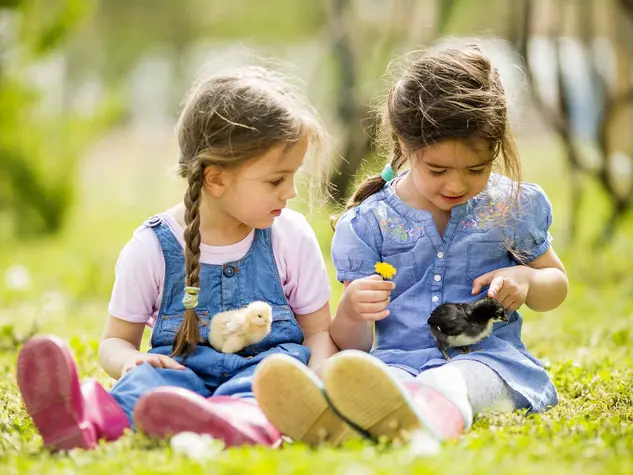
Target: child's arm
[[363, 302], [548, 284], [316, 334], [119, 349], [542, 284]]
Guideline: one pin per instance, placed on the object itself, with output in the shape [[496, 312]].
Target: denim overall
[[223, 287], [433, 269]]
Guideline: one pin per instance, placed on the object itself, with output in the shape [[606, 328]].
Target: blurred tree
[[611, 137], [362, 49], [38, 149]]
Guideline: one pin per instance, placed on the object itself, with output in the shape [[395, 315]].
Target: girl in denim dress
[[450, 213]]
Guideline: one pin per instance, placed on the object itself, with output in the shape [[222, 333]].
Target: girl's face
[[448, 173], [259, 190]]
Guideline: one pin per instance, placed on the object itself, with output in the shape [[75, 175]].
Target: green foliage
[[39, 150], [45, 25]]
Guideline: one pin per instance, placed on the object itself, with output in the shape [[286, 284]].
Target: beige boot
[[363, 391], [292, 398]]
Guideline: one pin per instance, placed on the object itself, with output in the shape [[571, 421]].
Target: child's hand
[[157, 361], [367, 298], [509, 285]]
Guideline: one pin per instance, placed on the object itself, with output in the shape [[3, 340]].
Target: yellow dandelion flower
[[385, 270]]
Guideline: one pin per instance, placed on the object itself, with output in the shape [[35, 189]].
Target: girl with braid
[[243, 136]]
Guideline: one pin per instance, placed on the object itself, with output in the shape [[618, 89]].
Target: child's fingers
[[495, 291], [170, 363], [371, 283], [373, 307], [481, 281], [154, 361], [375, 315], [367, 296], [507, 302]]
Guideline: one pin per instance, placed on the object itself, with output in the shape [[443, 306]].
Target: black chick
[[464, 324]]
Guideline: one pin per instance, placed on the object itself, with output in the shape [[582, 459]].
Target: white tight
[[470, 385]]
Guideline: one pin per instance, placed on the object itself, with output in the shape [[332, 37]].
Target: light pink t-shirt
[[140, 269]]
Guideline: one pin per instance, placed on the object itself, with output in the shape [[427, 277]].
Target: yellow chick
[[233, 330]]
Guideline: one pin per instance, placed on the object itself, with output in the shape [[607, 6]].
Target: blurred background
[[90, 91]]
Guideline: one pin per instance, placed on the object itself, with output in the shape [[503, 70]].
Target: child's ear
[[216, 180]]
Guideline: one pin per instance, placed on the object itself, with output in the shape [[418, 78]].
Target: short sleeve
[[138, 278], [301, 263], [532, 236], [354, 248]]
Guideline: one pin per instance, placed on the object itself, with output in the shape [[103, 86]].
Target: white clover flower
[[17, 277], [423, 444], [196, 446]]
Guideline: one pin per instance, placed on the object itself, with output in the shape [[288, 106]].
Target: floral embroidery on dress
[[487, 216], [394, 226]]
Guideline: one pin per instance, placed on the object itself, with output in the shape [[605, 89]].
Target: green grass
[[587, 344]]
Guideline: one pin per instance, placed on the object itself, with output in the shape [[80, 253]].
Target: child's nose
[[290, 192], [456, 186]]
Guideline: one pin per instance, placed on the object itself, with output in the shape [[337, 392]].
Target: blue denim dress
[[223, 287], [490, 231]]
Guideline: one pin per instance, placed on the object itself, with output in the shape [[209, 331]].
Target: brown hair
[[227, 120], [442, 95]]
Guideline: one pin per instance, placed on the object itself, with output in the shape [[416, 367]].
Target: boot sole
[[49, 384], [292, 399], [362, 390]]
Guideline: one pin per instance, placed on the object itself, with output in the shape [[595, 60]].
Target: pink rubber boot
[[103, 411], [67, 414], [434, 411], [167, 411]]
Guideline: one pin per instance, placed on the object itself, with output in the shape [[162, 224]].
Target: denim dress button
[[228, 271]]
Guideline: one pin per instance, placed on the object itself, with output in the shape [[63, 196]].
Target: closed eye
[[472, 171], [277, 182], [477, 171]]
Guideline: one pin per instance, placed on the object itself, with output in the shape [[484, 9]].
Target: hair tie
[[387, 173], [190, 300]]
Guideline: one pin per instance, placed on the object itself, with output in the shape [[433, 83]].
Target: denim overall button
[[228, 271], [153, 221]]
